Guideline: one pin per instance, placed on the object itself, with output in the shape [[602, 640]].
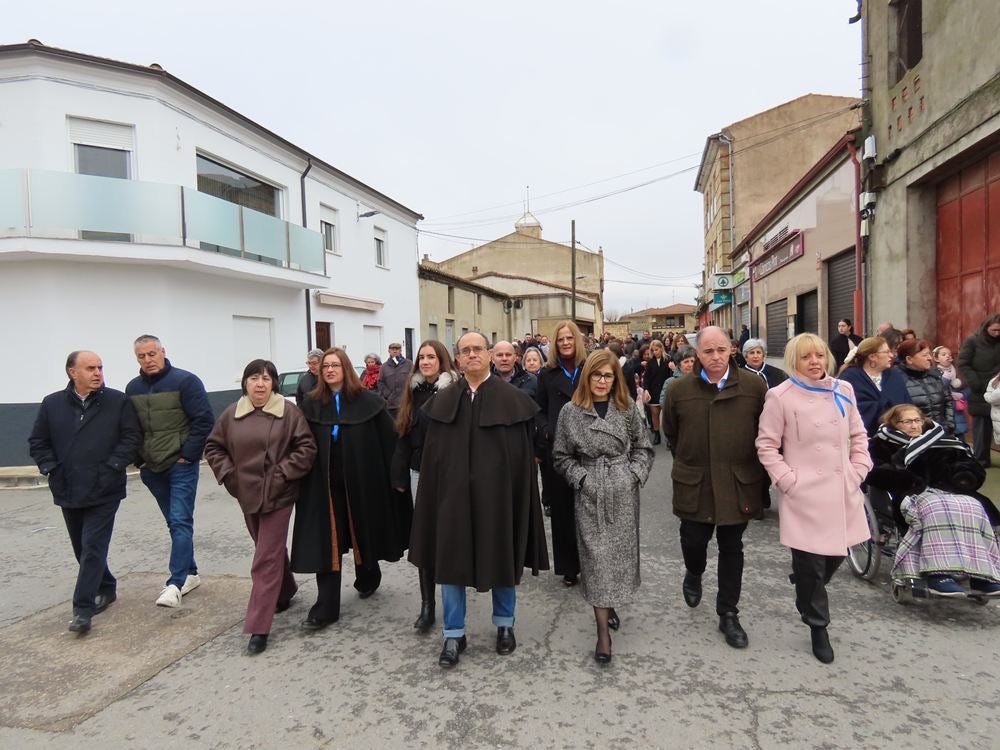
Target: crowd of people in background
[[454, 459]]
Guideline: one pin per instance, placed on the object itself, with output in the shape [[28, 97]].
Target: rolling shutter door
[[840, 294], [777, 327]]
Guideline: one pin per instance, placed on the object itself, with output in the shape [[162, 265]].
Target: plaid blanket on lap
[[949, 534]]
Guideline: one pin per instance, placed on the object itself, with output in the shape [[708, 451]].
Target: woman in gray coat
[[605, 455]]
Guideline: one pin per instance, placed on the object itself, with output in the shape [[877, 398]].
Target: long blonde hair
[[584, 397], [580, 351]]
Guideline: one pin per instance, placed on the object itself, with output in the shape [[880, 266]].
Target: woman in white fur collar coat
[[431, 372]]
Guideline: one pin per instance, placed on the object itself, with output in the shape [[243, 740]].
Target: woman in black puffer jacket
[[924, 384], [978, 362]]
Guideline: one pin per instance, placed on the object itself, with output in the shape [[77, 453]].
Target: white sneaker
[[169, 597], [190, 584]]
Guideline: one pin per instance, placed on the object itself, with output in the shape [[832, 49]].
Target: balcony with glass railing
[[37, 203]]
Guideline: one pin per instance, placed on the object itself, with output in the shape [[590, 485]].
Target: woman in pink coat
[[814, 445]]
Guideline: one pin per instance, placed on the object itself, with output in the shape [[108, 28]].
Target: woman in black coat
[[556, 384], [657, 372], [340, 509], [431, 372]]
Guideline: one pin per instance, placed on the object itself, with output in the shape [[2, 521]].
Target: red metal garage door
[[968, 249]]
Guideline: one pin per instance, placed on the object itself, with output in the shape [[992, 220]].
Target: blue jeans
[[453, 601], [174, 490]]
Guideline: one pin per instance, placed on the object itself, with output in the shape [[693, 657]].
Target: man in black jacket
[[505, 366], [83, 438]]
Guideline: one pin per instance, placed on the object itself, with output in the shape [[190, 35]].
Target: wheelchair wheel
[[901, 593], [865, 558]]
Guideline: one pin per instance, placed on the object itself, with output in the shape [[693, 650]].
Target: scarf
[[838, 398]]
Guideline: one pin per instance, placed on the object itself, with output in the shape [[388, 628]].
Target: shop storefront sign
[[777, 257]]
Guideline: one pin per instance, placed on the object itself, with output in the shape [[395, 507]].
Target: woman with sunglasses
[[604, 453]]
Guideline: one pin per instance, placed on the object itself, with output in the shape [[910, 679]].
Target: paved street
[[922, 675]]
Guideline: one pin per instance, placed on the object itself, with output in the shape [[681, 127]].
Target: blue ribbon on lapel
[[838, 398]]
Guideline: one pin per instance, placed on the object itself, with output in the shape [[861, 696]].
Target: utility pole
[[572, 303]]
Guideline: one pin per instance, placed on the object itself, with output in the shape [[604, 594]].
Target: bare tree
[[612, 316]]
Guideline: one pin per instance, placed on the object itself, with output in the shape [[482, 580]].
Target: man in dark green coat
[[718, 483]]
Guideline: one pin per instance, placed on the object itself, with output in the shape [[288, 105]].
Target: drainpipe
[[302, 194], [732, 218], [859, 302]]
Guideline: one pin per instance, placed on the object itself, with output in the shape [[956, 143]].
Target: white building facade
[[132, 203]]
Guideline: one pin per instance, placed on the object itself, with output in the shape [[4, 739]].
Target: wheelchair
[[866, 558]]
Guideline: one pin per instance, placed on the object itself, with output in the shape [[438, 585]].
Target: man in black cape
[[477, 520]]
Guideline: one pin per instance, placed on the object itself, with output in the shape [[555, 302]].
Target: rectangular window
[[906, 44], [381, 249], [329, 222], [451, 300], [408, 343], [432, 331], [103, 162], [236, 187], [449, 335], [479, 304]]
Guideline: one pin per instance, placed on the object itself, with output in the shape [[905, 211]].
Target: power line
[[435, 220], [651, 283], [784, 130]]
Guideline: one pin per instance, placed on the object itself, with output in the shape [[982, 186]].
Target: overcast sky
[[452, 108]]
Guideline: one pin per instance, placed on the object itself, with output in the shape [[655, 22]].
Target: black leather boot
[[425, 620], [821, 647]]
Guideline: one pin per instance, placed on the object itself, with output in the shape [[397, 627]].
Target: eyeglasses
[[915, 420], [604, 377], [465, 351], [332, 367]]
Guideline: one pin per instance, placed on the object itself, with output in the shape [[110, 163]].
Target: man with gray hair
[[176, 419], [309, 379], [719, 484]]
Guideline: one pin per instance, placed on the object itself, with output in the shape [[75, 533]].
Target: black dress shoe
[[730, 626], [548, 511], [452, 648], [80, 624], [570, 581], [692, 589], [257, 644], [505, 641], [366, 594], [314, 623], [281, 607], [103, 601], [602, 657], [822, 649], [425, 620], [614, 622]]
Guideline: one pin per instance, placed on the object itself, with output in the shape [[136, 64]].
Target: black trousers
[[90, 534], [982, 438], [561, 498], [695, 537], [812, 572], [327, 606]]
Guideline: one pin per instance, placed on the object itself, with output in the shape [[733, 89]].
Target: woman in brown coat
[[259, 449]]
